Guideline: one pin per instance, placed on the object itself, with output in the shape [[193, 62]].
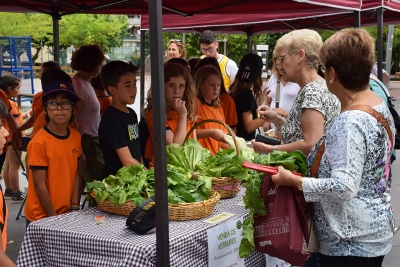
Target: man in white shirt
[[209, 47]]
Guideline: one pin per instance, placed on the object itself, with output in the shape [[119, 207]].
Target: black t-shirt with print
[[244, 102], [118, 129]]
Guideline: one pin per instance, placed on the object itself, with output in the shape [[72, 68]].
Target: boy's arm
[[125, 156], [75, 193], [4, 259], [39, 180]]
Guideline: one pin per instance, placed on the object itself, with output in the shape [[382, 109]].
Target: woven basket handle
[[197, 124]]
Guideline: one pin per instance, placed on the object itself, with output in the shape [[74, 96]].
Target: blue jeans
[[313, 261], [27, 223]]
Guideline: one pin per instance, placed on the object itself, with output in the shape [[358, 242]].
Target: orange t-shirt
[[37, 105], [58, 155], [209, 112], [3, 221], [4, 97], [229, 108], [170, 124], [104, 101], [16, 113]]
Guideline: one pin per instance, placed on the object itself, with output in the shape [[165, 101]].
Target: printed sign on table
[[223, 244]]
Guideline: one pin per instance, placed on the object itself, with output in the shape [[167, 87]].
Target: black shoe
[[18, 197], [8, 193]]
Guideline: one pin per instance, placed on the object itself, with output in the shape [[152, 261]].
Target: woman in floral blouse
[[352, 212], [314, 108]]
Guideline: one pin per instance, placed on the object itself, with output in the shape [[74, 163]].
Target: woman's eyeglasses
[[54, 105]]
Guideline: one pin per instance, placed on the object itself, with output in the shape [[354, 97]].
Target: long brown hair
[[189, 96], [239, 85], [201, 76]]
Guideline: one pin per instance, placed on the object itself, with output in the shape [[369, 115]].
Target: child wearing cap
[[53, 153], [119, 128], [246, 90], [4, 259]]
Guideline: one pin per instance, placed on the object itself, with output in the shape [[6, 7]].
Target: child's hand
[[218, 135], [179, 106]]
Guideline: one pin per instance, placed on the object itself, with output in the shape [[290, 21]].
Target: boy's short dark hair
[[207, 37], [87, 58], [112, 72], [53, 75], [51, 65]]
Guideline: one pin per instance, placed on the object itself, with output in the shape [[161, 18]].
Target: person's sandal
[[18, 197]]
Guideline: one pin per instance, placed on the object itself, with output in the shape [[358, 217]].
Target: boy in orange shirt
[[53, 153], [4, 260]]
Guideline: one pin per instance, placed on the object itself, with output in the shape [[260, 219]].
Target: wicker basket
[[176, 212], [194, 210], [125, 209], [226, 186]]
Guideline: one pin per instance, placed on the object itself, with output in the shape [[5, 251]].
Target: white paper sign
[[223, 244]]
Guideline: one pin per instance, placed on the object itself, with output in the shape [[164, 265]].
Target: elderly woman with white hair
[[314, 108]]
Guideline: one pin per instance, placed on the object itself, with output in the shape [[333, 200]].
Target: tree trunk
[[36, 55]]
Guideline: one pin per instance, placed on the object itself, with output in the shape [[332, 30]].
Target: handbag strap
[[277, 93], [317, 159], [377, 116]]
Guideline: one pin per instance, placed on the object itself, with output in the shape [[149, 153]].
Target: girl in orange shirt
[[208, 85], [11, 85], [180, 107]]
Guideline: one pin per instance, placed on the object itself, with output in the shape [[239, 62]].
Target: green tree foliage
[[107, 31]]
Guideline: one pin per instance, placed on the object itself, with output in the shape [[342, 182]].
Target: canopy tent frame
[[59, 8]]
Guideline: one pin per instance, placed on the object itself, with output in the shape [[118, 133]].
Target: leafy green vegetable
[[294, 161]]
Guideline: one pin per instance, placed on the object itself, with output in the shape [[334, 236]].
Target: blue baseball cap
[[61, 87]]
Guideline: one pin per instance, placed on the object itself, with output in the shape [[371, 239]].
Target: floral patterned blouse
[[314, 95], [352, 210]]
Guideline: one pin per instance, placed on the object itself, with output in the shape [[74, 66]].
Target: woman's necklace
[[352, 98]]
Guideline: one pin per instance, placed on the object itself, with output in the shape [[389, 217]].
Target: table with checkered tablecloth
[[74, 239]]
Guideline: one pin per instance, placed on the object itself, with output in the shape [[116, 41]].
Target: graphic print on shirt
[[133, 130]]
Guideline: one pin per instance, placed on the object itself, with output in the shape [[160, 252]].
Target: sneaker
[[18, 197], [8, 193]]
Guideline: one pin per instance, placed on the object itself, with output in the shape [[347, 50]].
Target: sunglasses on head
[[177, 40]]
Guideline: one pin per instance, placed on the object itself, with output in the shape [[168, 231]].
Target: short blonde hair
[[308, 40], [351, 53], [181, 46]]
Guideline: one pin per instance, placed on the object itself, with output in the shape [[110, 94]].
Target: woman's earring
[[330, 81], [298, 62]]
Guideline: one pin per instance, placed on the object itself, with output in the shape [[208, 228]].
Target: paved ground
[[16, 228]]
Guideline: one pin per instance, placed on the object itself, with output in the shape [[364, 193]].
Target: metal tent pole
[[56, 33], [160, 163], [379, 45], [357, 19], [248, 39], [142, 69]]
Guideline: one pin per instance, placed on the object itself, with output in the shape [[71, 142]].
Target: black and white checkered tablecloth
[[73, 239]]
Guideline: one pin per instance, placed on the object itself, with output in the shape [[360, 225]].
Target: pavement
[[16, 228]]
